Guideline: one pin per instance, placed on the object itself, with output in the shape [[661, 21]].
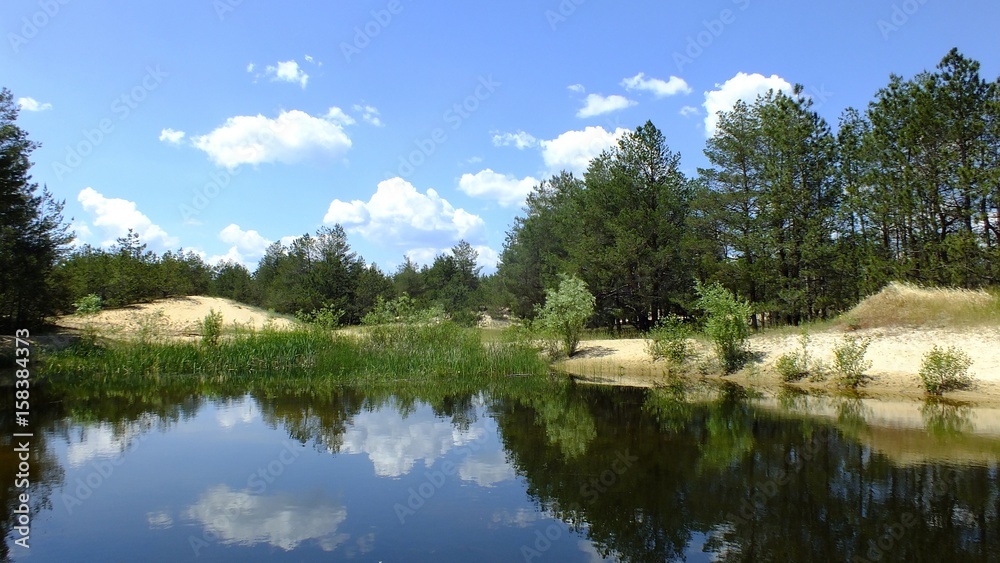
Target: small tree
[[211, 328], [945, 370], [726, 324], [566, 311]]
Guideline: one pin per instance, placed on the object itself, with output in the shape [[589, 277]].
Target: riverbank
[[895, 353]]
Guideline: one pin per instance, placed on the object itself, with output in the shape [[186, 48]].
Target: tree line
[[799, 219]]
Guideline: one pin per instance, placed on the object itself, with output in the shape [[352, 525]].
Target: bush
[[211, 328], [794, 365], [849, 360], [669, 340], [726, 324], [945, 370], [88, 304], [326, 317], [403, 310], [566, 311]]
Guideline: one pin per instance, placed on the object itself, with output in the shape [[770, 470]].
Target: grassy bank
[[378, 354]]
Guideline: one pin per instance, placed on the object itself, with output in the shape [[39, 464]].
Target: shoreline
[[895, 353]]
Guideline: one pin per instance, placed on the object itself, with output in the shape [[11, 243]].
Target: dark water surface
[[561, 474]]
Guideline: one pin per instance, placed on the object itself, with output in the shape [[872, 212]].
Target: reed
[[383, 353]]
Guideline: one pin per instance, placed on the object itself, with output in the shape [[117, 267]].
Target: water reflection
[[283, 520], [550, 473]]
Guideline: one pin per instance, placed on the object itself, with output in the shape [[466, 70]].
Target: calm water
[[564, 474]]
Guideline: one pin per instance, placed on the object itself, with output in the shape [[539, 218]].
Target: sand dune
[[177, 316]]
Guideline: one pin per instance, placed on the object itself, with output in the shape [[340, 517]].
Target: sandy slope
[[177, 316], [895, 354]]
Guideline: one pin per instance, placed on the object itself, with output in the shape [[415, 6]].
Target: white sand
[[177, 316]]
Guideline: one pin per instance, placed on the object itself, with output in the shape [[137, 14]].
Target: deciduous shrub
[[566, 311], [669, 341], [849, 360], [88, 304], [726, 324], [944, 370], [211, 328]]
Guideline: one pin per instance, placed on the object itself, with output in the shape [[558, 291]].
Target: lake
[[553, 472]]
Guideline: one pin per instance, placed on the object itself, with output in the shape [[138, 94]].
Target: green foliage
[[796, 365], [669, 340], [943, 370], [396, 353], [566, 311], [88, 304], [403, 309], [211, 328], [726, 324], [33, 236], [849, 360], [327, 317]]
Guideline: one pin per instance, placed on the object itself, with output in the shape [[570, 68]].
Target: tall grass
[[384, 353], [902, 304]]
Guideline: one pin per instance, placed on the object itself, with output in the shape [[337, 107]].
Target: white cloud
[[168, 135], [486, 468], [398, 214], [688, 111], [744, 87], [486, 257], [520, 140], [31, 104], [101, 440], [394, 444], [370, 114], [596, 104], [250, 67], [116, 216], [283, 520], [291, 137], [287, 71], [339, 116], [308, 59], [659, 88], [578, 88], [247, 246], [231, 412], [474, 159], [573, 150], [504, 189]]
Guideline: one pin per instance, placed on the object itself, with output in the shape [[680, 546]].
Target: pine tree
[[33, 236]]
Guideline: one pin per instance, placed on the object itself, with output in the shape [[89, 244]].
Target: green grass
[[387, 353]]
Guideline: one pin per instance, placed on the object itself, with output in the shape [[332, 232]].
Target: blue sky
[[222, 125]]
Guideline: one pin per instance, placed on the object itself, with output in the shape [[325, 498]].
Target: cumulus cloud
[[31, 104], [292, 137], [114, 217], [505, 189], [394, 444], [573, 150], [520, 140], [578, 88], [339, 116], [486, 468], [596, 104], [247, 246], [486, 257], [168, 135], [283, 520], [688, 111], [287, 71], [400, 215], [369, 114], [744, 87], [659, 88]]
